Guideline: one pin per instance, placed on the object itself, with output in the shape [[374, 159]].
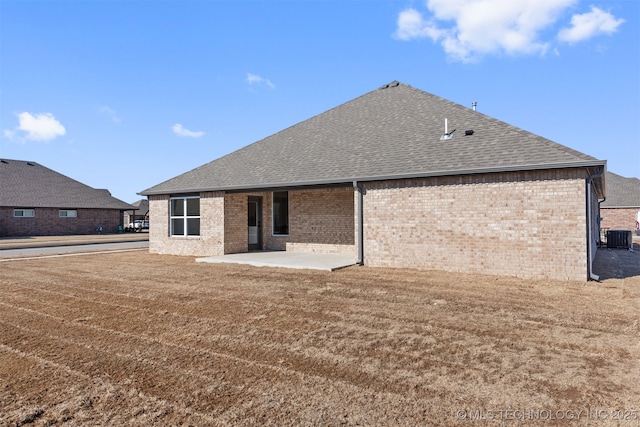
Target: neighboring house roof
[[622, 192], [31, 185], [142, 207], [391, 132]]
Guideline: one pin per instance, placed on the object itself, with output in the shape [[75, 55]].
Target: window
[[185, 216], [68, 213], [281, 213], [24, 213]]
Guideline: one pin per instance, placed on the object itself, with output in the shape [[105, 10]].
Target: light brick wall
[[528, 224], [211, 239], [322, 221], [212, 223], [47, 222], [236, 236], [159, 242], [619, 218]]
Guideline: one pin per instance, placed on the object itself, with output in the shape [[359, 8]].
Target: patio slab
[[284, 259]]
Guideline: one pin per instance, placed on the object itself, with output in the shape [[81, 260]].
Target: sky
[[125, 94]]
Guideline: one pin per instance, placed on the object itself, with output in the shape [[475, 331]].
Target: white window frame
[[32, 213], [184, 217], [68, 213], [273, 216]]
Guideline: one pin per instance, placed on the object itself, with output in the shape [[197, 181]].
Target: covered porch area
[[319, 220]]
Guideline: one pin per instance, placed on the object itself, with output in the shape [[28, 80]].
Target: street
[[8, 254]]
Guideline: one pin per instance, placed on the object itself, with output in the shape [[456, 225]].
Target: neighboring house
[[619, 211], [37, 201], [376, 178], [141, 212]]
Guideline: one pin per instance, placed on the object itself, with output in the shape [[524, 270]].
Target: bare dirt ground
[[117, 339]]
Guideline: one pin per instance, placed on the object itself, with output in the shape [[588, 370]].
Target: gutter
[[347, 181], [590, 178]]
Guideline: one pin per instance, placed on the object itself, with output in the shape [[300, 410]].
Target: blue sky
[[126, 94]]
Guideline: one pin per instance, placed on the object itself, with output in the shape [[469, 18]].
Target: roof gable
[[29, 184], [393, 131]]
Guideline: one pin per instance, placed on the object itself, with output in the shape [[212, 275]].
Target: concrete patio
[[284, 259]]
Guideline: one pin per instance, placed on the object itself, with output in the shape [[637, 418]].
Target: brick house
[[398, 178], [621, 208], [37, 201]]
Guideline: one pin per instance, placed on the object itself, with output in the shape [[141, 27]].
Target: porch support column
[[359, 191]]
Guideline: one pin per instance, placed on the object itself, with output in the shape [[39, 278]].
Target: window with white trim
[[24, 213], [280, 213], [68, 213], [184, 215]]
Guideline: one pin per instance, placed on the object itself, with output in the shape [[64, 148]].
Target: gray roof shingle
[[142, 207], [393, 131], [31, 185], [622, 192]]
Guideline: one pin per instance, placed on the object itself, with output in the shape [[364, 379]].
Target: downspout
[[600, 219], [360, 224], [590, 178]]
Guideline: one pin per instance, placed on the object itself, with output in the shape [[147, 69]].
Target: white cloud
[[469, 29], [38, 127], [256, 79], [411, 25], [179, 130], [110, 113], [588, 25]]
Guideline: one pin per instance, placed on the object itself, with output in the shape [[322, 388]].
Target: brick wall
[[619, 218], [47, 222], [236, 235], [211, 239], [159, 225], [322, 220], [527, 224]]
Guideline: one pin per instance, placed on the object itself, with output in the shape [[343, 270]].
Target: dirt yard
[[138, 339]]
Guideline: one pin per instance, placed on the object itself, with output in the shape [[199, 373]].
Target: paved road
[[7, 254]]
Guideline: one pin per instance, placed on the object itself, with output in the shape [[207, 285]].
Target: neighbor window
[[185, 216], [68, 213], [280, 212], [24, 213]]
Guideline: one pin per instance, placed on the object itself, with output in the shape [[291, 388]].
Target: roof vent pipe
[[447, 134], [474, 104]]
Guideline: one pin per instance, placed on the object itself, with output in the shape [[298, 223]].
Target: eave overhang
[[591, 165]]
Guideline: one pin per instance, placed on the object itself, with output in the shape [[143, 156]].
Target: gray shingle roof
[[622, 192], [142, 206], [393, 131], [31, 185]]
